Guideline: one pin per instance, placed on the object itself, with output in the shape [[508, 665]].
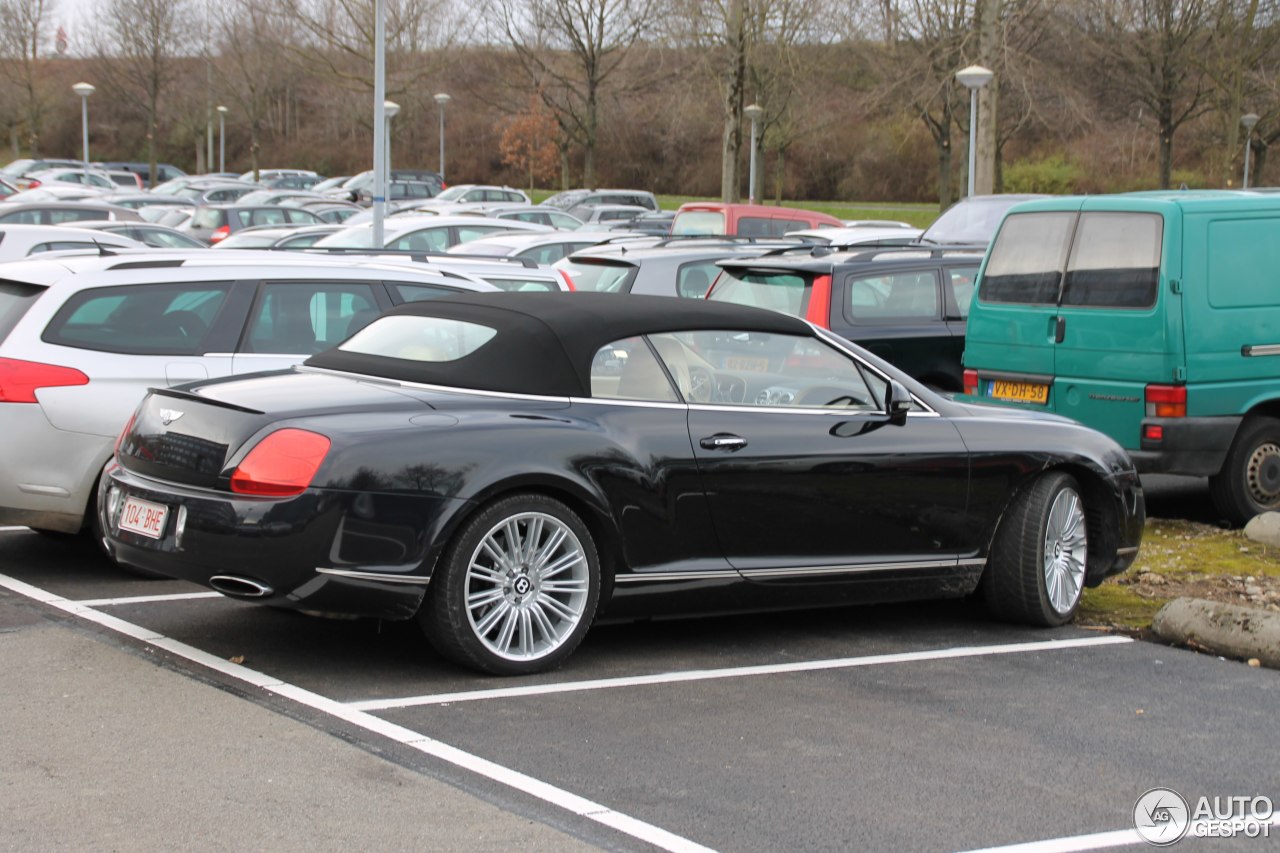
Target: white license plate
[[143, 518]]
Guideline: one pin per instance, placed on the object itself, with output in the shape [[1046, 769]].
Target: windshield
[[695, 222], [785, 292], [453, 193], [600, 276], [972, 220]]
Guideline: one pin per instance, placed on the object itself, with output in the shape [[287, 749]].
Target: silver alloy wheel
[[1262, 474], [527, 583], [1066, 541]]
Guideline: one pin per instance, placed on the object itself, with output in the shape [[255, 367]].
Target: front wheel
[[1039, 557], [517, 588], [1249, 482]]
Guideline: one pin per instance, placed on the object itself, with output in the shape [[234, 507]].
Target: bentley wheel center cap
[[522, 585]]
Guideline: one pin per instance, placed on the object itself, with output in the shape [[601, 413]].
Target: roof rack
[[415, 255]]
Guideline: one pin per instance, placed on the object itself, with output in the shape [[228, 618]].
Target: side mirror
[[897, 402]]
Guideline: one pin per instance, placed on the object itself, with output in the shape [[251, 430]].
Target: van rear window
[[1115, 261], [1026, 260], [15, 299]]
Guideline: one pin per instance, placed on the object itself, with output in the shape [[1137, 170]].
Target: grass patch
[[1116, 605]]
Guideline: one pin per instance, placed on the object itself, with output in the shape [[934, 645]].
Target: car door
[[804, 473]]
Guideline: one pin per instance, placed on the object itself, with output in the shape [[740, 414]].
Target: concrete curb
[[1224, 629]]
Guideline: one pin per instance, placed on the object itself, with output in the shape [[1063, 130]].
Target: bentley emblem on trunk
[[168, 416]]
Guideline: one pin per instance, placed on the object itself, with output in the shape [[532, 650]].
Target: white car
[[859, 235], [83, 337], [22, 241], [425, 233], [543, 248]]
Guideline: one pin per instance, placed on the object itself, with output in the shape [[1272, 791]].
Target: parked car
[[601, 213], [973, 220], [577, 202], [69, 175], [351, 189], [139, 200], [511, 274], [745, 220], [57, 192], [505, 468], [540, 247], [82, 338], [478, 194], [401, 192], [906, 304], [21, 241], [164, 171], [656, 223], [213, 222], [1154, 317], [268, 195], [277, 237], [860, 235], [669, 267], [54, 212], [216, 191], [7, 189], [292, 182], [16, 171], [263, 175], [422, 233], [534, 213], [330, 210], [147, 233]]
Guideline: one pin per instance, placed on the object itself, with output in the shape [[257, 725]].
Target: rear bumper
[[1191, 446], [324, 551], [46, 474]]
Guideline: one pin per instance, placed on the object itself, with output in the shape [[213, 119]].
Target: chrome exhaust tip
[[237, 587]]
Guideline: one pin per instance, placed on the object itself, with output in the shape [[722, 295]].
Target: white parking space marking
[[1106, 840], [736, 672], [12, 529], [146, 599], [559, 797]]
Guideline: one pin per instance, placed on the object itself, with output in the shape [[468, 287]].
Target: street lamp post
[[441, 98], [389, 109], [973, 78], [84, 90], [753, 112], [222, 138], [1248, 120]]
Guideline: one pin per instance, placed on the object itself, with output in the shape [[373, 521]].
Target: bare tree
[[1245, 35], [569, 50], [139, 45], [22, 40]]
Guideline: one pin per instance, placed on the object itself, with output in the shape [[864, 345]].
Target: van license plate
[[1022, 392], [144, 518]]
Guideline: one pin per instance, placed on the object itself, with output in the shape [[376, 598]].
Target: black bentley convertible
[[507, 468]]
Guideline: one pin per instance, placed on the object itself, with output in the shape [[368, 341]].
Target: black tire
[[1249, 482], [471, 608], [1018, 585]]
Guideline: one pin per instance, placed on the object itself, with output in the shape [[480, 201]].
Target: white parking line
[[559, 797], [735, 672], [146, 599], [13, 529]]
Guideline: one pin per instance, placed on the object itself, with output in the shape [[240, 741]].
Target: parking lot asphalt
[[146, 714]]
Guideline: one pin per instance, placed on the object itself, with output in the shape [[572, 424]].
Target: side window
[[426, 240], [145, 319], [301, 318], [1115, 262], [268, 217], [756, 369], [627, 370], [56, 216], [963, 280], [474, 232], [1026, 260], [895, 296], [694, 280], [59, 245], [419, 292]]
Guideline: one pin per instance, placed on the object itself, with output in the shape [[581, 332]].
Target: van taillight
[[19, 380], [220, 234], [971, 382], [568, 280], [1166, 401], [281, 465]]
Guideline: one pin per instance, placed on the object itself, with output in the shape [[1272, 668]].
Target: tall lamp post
[[973, 78], [389, 109], [441, 98], [1248, 120], [84, 90], [753, 112], [222, 138]]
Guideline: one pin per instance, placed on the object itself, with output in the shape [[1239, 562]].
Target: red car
[[745, 220]]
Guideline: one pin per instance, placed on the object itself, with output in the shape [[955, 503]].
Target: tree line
[[858, 98]]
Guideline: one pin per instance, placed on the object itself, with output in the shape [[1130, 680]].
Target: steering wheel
[[702, 384]]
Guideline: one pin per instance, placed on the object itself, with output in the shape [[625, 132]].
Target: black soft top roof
[[545, 342]]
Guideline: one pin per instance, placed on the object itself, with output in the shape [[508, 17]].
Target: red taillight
[[971, 382], [1166, 401], [220, 234], [282, 464], [19, 380], [569, 285], [819, 311]]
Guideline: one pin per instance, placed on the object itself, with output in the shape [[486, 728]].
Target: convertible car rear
[[507, 468]]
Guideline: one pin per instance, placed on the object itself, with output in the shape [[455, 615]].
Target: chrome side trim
[[1125, 552], [1252, 350], [861, 568], [374, 576], [676, 576]]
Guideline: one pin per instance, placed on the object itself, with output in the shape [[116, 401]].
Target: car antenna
[[103, 251]]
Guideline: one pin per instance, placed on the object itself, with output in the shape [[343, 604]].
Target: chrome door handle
[[723, 442]]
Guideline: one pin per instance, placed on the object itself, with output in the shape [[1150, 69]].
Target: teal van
[[1153, 317]]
